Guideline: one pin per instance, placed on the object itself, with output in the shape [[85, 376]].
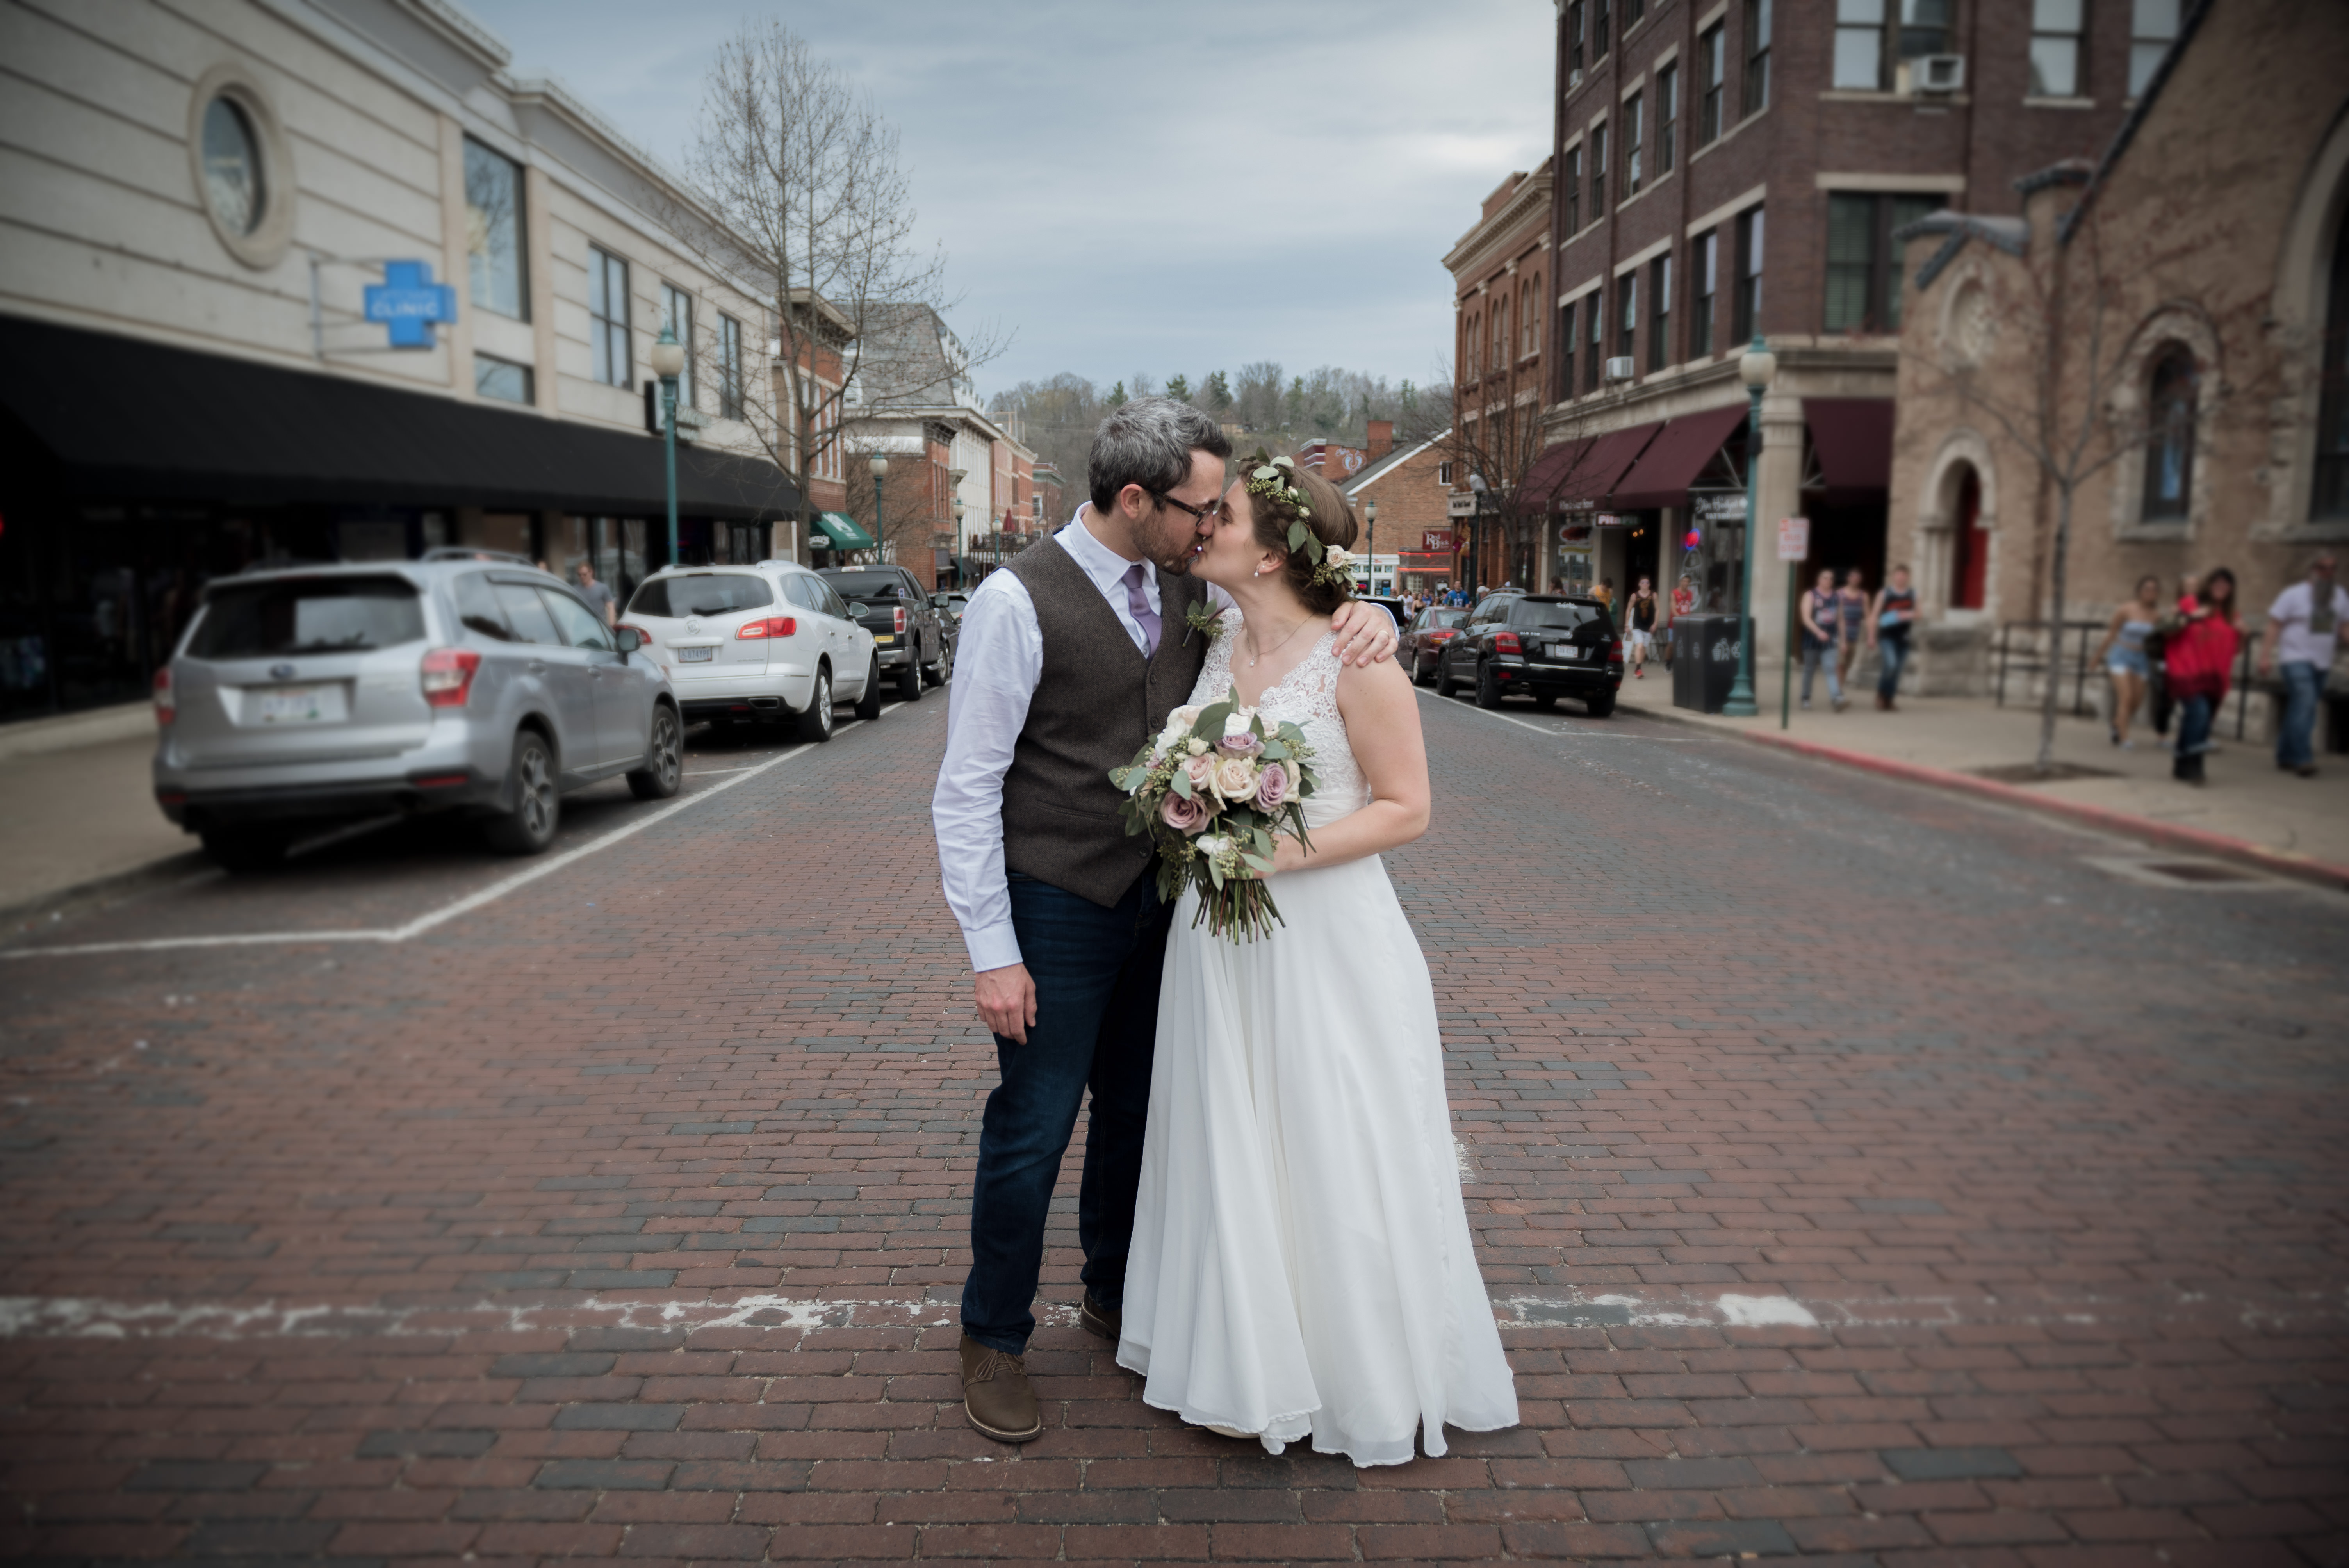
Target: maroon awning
[[1674, 458], [1587, 472], [1552, 466], [1853, 438]]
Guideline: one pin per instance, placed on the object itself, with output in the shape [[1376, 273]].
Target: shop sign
[[1794, 539], [1460, 505], [408, 302], [1718, 508], [1436, 540]]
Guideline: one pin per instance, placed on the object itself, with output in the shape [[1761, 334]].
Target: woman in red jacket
[[2196, 660]]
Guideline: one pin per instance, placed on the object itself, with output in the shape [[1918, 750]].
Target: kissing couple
[[1271, 1210]]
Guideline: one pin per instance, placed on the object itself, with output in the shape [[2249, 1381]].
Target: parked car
[[1424, 640], [1542, 646], [766, 641], [467, 681], [1397, 610], [951, 606], [915, 640]]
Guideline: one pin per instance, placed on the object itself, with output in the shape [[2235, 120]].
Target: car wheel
[[869, 705], [909, 679], [1444, 685], [935, 672], [245, 848], [1488, 688], [816, 722], [528, 825], [1599, 706], [664, 766]]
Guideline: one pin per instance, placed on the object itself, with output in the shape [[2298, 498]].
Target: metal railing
[[2032, 659]]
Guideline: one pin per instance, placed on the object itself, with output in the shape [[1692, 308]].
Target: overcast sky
[[1133, 187]]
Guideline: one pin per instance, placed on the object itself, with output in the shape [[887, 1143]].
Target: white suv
[[766, 641]]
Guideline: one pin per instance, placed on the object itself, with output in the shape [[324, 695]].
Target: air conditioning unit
[[1619, 369], [1936, 74]]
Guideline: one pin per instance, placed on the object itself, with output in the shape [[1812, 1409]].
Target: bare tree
[[1501, 439]]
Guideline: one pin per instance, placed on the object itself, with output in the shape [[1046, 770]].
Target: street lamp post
[[668, 362], [956, 559], [1756, 367], [1370, 570], [878, 465]]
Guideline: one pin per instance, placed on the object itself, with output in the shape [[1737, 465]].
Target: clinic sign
[[409, 302]]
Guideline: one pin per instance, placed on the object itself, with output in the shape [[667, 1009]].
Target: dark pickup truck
[[910, 635]]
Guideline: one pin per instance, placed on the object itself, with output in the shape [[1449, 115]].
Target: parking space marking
[[448, 911]]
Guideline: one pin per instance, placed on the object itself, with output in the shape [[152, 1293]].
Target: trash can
[[1704, 661]]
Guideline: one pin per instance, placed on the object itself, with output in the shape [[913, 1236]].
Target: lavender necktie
[[1138, 604]]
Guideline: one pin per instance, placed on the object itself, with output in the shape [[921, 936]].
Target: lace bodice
[[1305, 697]]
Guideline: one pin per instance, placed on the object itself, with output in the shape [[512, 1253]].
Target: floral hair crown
[[1275, 479]]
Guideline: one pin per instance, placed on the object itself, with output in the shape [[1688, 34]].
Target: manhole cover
[[2028, 773]]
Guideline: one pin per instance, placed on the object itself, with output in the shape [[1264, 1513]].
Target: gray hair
[[1149, 442]]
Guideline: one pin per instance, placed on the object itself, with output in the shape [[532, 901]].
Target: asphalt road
[[1858, 1172]]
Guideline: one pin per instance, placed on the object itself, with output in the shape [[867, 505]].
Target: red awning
[[1586, 472], [1662, 474], [1853, 438], [1548, 469]]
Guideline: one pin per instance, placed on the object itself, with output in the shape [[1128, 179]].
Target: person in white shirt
[[2305, 629], [1070, 658]]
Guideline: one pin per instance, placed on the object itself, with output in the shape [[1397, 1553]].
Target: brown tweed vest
[[1096, 702]]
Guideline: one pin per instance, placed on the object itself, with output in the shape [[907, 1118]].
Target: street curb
[[154, 873], [2169, 835]]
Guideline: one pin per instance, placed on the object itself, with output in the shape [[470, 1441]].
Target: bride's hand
[[1288, 855], [1366, 633]]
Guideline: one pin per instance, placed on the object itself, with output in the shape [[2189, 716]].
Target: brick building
[[2213, 332], [1727, 168], [1411, 483], [1501, 282]]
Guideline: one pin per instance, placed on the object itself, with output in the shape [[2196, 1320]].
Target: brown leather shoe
[[996, 1394], [1109, 1322]]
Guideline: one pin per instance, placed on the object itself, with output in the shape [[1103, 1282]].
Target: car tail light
[[1615, 651], [1507, 642], [900, 616], [447, 675], [167, 702], [772, 626]]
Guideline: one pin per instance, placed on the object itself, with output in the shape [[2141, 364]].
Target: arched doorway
[[1968, 544]]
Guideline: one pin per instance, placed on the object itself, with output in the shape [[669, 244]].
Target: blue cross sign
[[408, 302]]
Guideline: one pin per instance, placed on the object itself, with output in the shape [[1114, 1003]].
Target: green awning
[[842, 529]]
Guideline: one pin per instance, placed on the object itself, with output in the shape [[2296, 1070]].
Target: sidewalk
[[2248, 799], [78, 807]]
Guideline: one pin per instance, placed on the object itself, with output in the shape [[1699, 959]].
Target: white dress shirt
[[999, 659]]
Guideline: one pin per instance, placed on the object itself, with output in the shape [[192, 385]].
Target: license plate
[[300, 705], [887, 637], [696, 656], [1564, 651]]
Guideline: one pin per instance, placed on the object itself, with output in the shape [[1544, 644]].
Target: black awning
[[130, 421]]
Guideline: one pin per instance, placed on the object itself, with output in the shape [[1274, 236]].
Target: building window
[[1529, 318], [677, 315], [1501, 334], [1598, 173], [1660, 306], [1635, 118], [730, 367], [1627, 314], [608, 318], [2169, 435], [1600, 22], [1574, 18], [2153, 27], [1444, 473], [1757, 58], [1864, 278], [1712, 58], [1667, 117], [1596, 329], [2330, 497], [2056, 48], [1868, 52], [1705, 263], [497, 275], [1574, 189], [1924, 27], [1566, 345], [234, 186], [503, 380], [1746, 299], [1632, 11]]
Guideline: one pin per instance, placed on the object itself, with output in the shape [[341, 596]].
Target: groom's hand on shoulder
[[1366, 633], [1006, 1000]]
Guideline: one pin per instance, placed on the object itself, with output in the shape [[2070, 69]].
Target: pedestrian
[[2124, 655], [1822, 619], [1887, 634], [599, 598], [1605, 593], [1640, 621], [1684, 604], [2197, 654], [1851, 604], [2304, 631]]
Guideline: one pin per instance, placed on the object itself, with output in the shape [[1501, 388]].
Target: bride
[[1301, 1260]]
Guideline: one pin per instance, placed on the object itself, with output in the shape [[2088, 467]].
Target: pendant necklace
[[1278, 645]]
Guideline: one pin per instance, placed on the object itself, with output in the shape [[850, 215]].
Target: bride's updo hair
[[1332, 522]]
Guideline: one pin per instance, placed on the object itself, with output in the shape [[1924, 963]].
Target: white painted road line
[[448, 911]]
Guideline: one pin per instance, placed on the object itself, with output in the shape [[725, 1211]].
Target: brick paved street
[[1859, 1173]]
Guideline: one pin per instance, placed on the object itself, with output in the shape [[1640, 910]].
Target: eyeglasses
[[1207, 513]]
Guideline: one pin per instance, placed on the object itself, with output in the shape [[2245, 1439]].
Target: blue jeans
[[1096, 974], [2296, 735], [2194, 716], [1814, 655], [1892, 653]]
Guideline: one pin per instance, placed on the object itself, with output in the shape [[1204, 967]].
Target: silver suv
[[467, 681]]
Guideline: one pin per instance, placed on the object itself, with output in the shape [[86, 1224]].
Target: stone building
[[2192, 282]]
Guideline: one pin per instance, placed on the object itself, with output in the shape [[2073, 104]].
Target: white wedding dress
[[1301, 1262]]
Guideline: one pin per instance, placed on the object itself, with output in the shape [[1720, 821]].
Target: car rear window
[[866, 584], [1553, 617], [1446, 617], [308, 616], [702, 593]]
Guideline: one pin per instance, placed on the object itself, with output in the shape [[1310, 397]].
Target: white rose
[[1212, 844], [1237, 724]]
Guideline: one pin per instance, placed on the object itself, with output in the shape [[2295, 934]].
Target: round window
[[232, 167]]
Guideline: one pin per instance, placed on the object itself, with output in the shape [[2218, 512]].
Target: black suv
[[910, 635], [1544, 646]]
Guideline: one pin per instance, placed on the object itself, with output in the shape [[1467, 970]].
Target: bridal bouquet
[[1211, 789]]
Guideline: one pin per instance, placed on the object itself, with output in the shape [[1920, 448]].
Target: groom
[[1069, 659]]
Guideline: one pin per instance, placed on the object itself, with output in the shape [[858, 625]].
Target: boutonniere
[[1201, 619]]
